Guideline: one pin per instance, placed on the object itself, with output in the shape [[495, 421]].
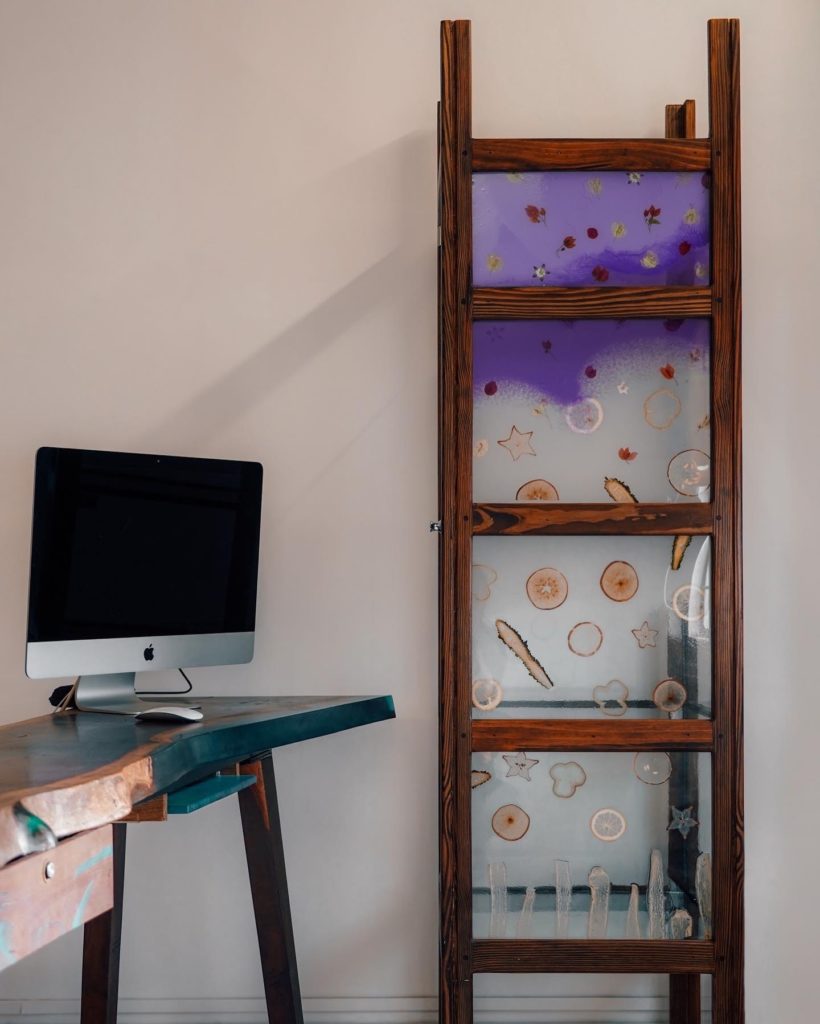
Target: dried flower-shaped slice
[[510, 822], [547, 588], [487, 694], [617, 489], [585, 639], [652, 767], [608, 824], [661, 408], [679, 546], [537, 490], [669, 695], [611, 698], [483, 579], [619, 581], [566, 777], [479, 777], [516, 643], [689, 602]]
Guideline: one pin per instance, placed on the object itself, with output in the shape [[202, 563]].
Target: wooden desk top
[[61, 774]]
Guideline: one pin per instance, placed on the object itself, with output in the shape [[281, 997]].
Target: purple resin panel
[[575, 228], [591, 410]]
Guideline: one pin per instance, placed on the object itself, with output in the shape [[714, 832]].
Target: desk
[[70, 783]]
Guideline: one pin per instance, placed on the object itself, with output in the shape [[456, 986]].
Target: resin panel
[[561, 407], [592, 845], [591, 627], [574, 228]]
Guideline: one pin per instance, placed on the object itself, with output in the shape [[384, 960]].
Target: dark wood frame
[[459, 156]]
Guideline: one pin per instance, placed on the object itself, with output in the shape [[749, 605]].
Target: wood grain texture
[[680, 120], [563, 518], [61, 774], [582, 734], [591, 154], [455, 464], [684, 999], [265, 855], [574, 303], [724, 116], [39, 905], [155, 809], [101, 946], [604, 956]]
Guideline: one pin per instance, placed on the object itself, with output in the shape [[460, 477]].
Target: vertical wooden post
[[259, 809], [455, 504], [724, 117], [101, 948], [684, 989]]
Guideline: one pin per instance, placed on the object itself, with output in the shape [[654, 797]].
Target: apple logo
[[148, 653]]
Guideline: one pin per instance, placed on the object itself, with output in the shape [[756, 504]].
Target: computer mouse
[[166, 712]]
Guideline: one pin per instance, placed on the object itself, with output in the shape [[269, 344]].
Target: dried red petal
[[627, 454], [535, 213], [684, 248], [591, 372], [668, 371], [672, 325], [490, 388], [592, 232], [569, 242], [600, 273]]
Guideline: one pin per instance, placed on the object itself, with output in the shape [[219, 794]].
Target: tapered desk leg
[[684, 999], [269, 889], [101, 949]]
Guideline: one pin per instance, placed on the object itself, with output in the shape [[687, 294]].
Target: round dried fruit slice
[[689, 602], [619, 581], [585, 639], [487, 694], [608, 824], [537, 490], [547, 588], [612, 698], [688, 472], [669, 695], [510, 822], [661, 408], [585, 416], [652, 767]]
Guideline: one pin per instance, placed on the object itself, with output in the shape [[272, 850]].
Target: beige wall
[[217, 238]]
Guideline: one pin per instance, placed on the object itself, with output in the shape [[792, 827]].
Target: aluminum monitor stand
[[113, 694]]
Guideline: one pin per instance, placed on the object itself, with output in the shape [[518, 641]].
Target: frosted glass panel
[[562, 407], [591, 627], [592, 845], [575, 228]]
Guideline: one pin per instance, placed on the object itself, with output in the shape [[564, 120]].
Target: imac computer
[[140, 563]]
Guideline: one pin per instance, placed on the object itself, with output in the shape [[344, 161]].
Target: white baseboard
[[366, 1010]]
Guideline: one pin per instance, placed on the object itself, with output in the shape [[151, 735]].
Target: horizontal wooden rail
[[615, 518], [591, 154], [574, 303], [595, 956], [565, 734]]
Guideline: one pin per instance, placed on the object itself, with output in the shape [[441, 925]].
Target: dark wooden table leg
[[101, 949], [269, 889], [684, 999]]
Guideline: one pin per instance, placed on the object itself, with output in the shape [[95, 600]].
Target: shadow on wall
[[406, 167]]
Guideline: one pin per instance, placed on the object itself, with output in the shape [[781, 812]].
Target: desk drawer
[[45, 895]]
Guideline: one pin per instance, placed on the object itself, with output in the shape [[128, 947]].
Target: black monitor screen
[[142, 545]]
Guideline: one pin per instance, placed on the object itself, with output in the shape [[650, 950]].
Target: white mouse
[[164, 712]]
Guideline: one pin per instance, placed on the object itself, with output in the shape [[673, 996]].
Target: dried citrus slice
[[669, 695], [689, 602], [547, 588], [585, 638], [652, 767], [510, 822], [518, 645], [617, 489], [483, 578], [611, 698], [679, 546], [487, 694], [478, 778], [585, 416], [661, 408], [608, 824], [566, 777], [537, 490], [688, 472], [619, 581]]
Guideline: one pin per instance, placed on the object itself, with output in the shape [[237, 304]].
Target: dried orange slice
[[537, 490], [688, 472], [608, 824], [669, 695], [661, 408], [652, 767], [487, 694], [585, 638], [510, 822], [585, 416], [689, 602], [547, 588], [619, 581]]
